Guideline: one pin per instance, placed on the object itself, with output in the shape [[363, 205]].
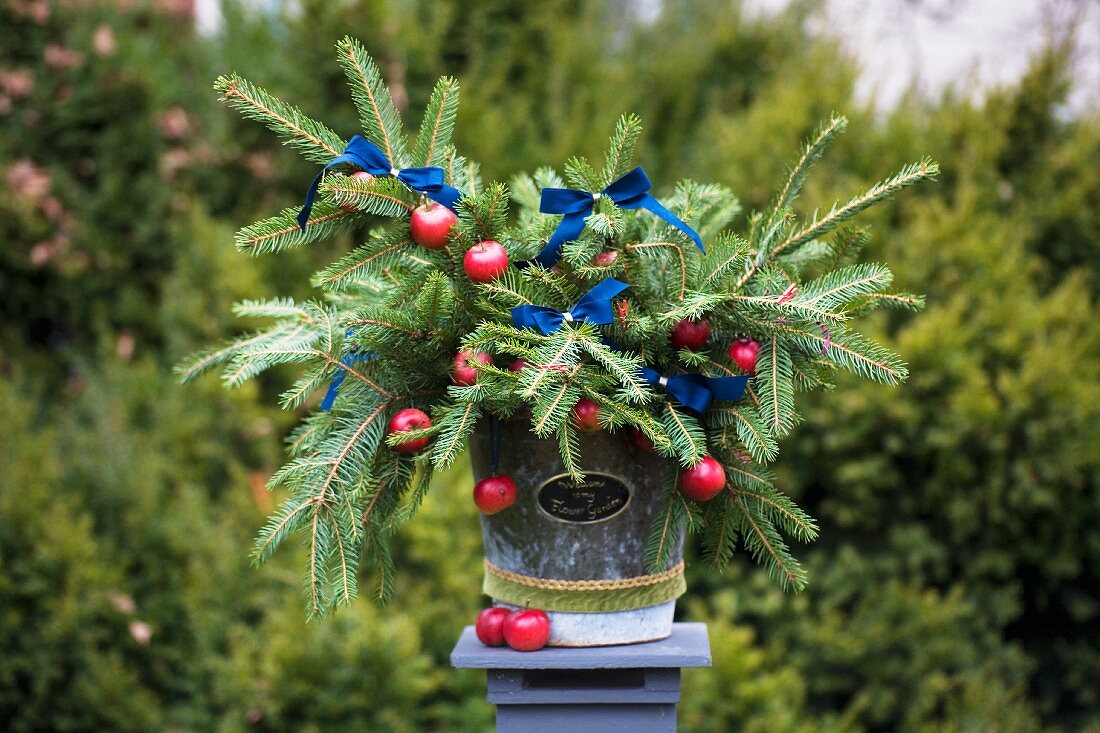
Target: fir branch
[[856, 353], [783, 510], [382, 195], [377, 114], [204, 361], [438, 125], [455, 426], [553, 407], [314, 141], [763, 541], [720, 531], [282, 232], [626, 368], [845, 285], [811, 153], [363, 261], [907, 176], [728, 253], [675, 247], [289, 516], [668, 528], [750, 430], [621, 147], [570, 450], [436, 300], [774, 380], [689, 440]]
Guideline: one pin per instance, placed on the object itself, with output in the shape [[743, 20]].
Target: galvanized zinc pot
[[578, 551]]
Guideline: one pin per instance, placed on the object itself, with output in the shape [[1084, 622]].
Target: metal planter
[[578, 552]]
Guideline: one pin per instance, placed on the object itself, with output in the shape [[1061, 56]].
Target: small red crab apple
[[359, 176], [431, 225], [409, 419], [605, 259], [462, 373], [586, 415], [640, 440], [702, 481], [490, 625], [485, 261], [494, 493], [690, 334], [527, 630], [743, 352]]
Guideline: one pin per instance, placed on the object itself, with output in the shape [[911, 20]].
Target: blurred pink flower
[[103, 40], [174, 123], [141, 631], [60, 57], [17, 82], [27, 180]]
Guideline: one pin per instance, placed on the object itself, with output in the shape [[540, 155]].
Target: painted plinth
[[609, 689]]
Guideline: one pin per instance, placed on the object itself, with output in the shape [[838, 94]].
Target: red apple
[[743, 352], [359, 176], [490, 625], [527, 630], [586, 415], [409, 419], [702, 481], [462, 373], [485, 261], [431, 225], [640, 440], [494, 493], [690, 334], [517, 365], [605, 259]]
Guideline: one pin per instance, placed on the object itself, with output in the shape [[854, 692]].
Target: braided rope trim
[[638, 581]]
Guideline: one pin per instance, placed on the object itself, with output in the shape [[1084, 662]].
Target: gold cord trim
[[638, 581]]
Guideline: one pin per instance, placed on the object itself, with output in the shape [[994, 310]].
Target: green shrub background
[[956, 584]]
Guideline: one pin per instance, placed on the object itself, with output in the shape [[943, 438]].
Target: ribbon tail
[[689, 392], [346, 157], [653, 205], [311, 194], [333, 390], [570, 227], [727, 388]]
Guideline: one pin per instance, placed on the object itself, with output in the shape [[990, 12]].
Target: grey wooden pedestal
[[607, 689]]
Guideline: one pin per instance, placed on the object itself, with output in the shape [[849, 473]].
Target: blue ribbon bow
[[629, 192], [367, 156], [593, 307], [352, 357], [694, 391]]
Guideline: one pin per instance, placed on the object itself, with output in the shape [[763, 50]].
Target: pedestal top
[[688, 646]]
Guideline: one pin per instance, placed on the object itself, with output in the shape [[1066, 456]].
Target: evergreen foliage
[[411, 308]]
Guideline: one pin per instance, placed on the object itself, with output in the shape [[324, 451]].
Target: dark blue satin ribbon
[[696, 392], [629, 192], [593, 307], [367, 156], [334, 386]]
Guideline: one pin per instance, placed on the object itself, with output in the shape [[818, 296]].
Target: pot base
[[609, 629]]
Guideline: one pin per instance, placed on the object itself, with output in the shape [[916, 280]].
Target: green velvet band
[[584, 601]]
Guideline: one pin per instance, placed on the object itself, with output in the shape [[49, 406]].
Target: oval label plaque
[[600, 496]]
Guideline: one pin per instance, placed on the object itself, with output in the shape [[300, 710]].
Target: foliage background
[[955, 587]]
